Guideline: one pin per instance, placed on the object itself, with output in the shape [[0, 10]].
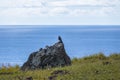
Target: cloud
[[104, 11], [82, 3], [27, 8], [59, 11], [21, 3], [24, 12], [85, 7], [60, 7]]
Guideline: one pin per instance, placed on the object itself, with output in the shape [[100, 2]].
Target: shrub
[[115, 56], [99, 56]]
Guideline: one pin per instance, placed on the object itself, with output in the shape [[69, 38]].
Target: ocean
[[18, 42]]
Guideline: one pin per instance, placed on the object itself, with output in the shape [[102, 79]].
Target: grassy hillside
[[94, 67]]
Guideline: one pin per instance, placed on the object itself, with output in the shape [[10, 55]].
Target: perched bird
[[60, 39]]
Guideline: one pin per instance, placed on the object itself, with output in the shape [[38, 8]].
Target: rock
[[60, 72], [57, 73], [106, 62], [52, 77], [50, 56], [29, 78], [97, 72]]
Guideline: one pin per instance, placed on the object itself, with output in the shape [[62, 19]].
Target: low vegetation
[[93, 67]]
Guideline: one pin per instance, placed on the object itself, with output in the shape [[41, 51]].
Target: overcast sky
[[60, 12]]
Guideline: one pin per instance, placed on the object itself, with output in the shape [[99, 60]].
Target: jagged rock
[[50, 56]]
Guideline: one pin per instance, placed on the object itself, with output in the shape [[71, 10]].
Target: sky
[[59, 12]]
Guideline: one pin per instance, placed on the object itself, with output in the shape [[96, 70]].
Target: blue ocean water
[[18, 42]]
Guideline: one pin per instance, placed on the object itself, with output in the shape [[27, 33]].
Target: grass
[[93, 67]]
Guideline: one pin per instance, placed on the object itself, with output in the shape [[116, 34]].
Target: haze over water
[[17, 43]]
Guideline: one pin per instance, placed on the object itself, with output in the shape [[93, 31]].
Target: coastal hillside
[[93, 67]]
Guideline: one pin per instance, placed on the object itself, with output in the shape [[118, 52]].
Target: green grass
[[93, 67]]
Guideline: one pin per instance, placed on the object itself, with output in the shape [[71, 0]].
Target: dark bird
[[60, 39]]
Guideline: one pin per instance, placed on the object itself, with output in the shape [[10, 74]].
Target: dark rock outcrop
[[51, 56]]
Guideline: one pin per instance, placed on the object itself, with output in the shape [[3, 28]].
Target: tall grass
[[93, 67]]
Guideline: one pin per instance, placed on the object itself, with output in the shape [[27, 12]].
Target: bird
[[60, 39]]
